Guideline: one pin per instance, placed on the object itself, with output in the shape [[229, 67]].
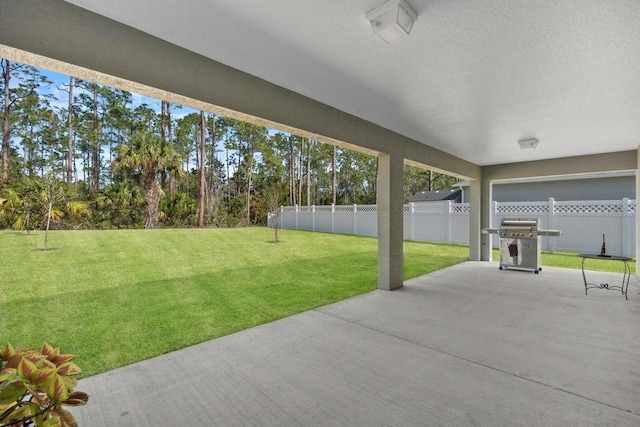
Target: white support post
[[448, 221], [411, 219], [355, 219], [625, 227], [494, 240], [313, 218], [333, 217], [552, 221], [297, 217]]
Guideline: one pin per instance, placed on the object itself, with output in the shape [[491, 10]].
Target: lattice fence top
[[522, 208], [632, 207], [368, 209], [595, 207], [592, 207], [429, 208], [461, 208], [323, 208]]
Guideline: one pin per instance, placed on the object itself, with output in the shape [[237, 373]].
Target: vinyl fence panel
[[582, 223]]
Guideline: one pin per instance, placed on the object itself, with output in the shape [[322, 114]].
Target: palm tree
[[145, 157]]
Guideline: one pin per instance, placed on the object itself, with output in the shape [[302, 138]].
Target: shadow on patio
[[468, 345]]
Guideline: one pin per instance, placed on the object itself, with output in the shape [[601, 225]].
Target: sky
[[61, 96]]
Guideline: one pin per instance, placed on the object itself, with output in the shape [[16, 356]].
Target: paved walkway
[[468, 345]]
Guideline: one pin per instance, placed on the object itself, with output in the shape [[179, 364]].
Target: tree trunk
[[202, 171], [333, 176], [300, 171], [212, 152], [46, 232], [375, 177], [212, 195], [292, 173], [95, 153], [226, 149], [152, 192], [249, 178], [172, 180], [70, 154], [308, 172], [6, 76], [163, 136]]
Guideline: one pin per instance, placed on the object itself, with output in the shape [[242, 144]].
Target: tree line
[[83, 155]]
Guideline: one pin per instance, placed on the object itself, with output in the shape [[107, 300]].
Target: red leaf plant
[[34, 385]]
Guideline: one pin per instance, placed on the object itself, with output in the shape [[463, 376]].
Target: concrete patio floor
[[467, 345]]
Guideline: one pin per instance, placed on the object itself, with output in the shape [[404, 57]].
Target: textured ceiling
[[473, 77]]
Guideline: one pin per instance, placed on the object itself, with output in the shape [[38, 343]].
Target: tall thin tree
[[203, 128], [95, 148], [6, 131], [308, 172], [333, 175], [70, 153]]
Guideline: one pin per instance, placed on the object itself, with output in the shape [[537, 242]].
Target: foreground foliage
[[34, 385]]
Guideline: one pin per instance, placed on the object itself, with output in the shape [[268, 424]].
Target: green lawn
[[116, 297]]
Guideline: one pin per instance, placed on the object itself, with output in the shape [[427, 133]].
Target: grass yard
[[117, 297]]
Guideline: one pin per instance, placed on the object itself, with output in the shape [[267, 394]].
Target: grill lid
[[516, 222]]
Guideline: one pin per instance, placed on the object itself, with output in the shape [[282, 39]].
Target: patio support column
[[637, 214], [475, 209], [485, 218], [390, 217]]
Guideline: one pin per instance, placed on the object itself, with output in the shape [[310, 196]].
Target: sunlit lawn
[[116, 297]]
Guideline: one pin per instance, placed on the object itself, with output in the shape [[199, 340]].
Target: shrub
[[35, 384]]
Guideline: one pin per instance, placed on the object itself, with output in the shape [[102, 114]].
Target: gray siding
[[609, 188]]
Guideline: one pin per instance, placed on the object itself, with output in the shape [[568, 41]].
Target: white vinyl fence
[[582, 222]]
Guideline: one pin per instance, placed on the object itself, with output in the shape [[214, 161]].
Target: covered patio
[[469, 86], [468, 345]]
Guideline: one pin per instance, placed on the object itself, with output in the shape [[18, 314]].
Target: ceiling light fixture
[[528, 144], [392, 21]]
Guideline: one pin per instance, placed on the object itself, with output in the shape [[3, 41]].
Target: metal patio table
[[624, 287]]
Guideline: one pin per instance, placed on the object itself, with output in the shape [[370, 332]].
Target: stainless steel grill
[[520, 243]]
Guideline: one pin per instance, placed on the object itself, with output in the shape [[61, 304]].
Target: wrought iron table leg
[[584, 276], [624, 288], [625, 278]]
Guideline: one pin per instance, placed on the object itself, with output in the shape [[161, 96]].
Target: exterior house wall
[[607, 188]]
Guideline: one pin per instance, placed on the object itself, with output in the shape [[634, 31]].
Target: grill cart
[[520, 243]]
